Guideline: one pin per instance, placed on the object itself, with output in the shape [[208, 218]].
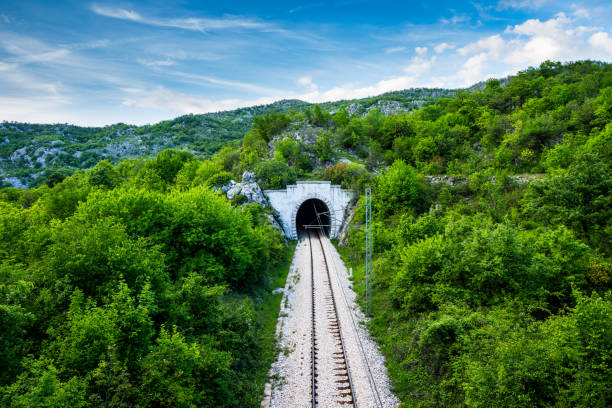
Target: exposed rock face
[[248, 177], [387, 107], [275, 224], [248, 188], [15, 182], [454, 180]]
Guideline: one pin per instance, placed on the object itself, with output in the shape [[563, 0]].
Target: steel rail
[[313, 353], [361, 350], [337, 318]]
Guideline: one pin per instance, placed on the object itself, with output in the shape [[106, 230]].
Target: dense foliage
[[135, 285], [492, 286], [31, 154], [138, 285]]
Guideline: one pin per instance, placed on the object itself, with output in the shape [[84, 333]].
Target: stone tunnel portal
[[299, 197], [313, 214]]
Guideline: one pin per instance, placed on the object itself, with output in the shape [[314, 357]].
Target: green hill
[[29, 153], [140, 284]]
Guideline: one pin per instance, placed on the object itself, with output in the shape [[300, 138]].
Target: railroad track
[[330, 367]]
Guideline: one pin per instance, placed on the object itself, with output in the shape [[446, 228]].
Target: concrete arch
[[332, 213], [288, 201]]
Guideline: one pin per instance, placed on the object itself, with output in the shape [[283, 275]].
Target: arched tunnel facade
[[313, 214], [297, 206]]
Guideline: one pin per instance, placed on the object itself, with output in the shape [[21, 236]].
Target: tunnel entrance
[[313, 214]]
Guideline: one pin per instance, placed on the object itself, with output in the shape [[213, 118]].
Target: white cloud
[[25, 83], [443, 47], [245, 86], [421, 50], [306, 81], [353, 92], [161, 98], [419, 65], [472, 70], [90, 45], [196, 24], [28, 50], [456, 19], [519, 4], [561, 37], [7, 67], [493, 44], [536, 27], [207, 24], [39, 109], [395, 49], [44, 57], [581, 12], [156, 63], [530, 44], [601, 40]]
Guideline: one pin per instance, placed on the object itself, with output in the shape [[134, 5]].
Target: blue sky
[[102, 62]]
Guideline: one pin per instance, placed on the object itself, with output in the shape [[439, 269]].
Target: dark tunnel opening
[[313, 214]]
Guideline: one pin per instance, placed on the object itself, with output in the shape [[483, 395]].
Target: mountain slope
[[29, 153]]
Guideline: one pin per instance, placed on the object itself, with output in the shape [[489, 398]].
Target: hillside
[[29, 153], [142, 284]]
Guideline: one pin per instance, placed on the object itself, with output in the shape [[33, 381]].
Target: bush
[[399, 188], [349, 175], [219, 179], [274, 174]]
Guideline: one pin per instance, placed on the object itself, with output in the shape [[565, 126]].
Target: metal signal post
[[368, 234]]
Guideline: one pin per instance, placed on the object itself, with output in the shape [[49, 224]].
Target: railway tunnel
[[313, 214], [297, 206]]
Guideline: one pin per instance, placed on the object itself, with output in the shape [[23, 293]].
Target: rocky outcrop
[[455, 180], [248, 188]]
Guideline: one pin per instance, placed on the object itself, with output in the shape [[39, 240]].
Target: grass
[[266, 315]]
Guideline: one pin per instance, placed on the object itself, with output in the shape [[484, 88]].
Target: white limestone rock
[[248, 177], [275, 224], [250, 190]]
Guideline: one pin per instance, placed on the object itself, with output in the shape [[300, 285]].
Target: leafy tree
[[180, 373], [398, 188], [274, 174], [103, 175], [579, 197]]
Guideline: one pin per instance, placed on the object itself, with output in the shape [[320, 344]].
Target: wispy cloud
[[440, 48], [225, 83], [7, 67], [456, 19], [520, 4], [156, 63], [28, 50], [206, 24], [392, 50], [192, 23], [581, 12], [306, 81], [421, 50], [161, 98], [90, 45]]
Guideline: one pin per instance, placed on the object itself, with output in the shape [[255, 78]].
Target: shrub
[[398, 188], [274, 174]]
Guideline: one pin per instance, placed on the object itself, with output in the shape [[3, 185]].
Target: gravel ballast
[[290, 384]]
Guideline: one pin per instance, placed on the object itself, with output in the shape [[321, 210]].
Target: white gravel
[[290, 384]]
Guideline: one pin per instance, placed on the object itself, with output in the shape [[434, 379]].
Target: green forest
[[139, 284], [31, 153], [120, 288]]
